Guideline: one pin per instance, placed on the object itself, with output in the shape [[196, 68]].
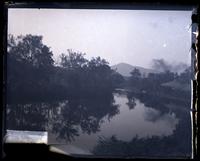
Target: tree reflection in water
[[131, 102], [82, 116], [32, 116], [176, 145], [70, 118], [66, 119]]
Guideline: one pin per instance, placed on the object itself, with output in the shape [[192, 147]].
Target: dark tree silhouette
[[30, 66], [73, 60]]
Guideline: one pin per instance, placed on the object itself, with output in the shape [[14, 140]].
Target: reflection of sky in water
[[141, 121], [130, 123]]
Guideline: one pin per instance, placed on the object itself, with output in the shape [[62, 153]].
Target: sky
[[131, 36]]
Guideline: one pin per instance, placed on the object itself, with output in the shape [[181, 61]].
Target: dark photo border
[[29, 151]]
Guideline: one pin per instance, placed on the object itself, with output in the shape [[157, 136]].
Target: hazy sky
[[132, 36]]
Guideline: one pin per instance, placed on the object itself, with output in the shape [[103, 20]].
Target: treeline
[[33, 76], [166, 83]]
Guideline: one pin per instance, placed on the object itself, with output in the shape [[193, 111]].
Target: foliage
[[31, 71]]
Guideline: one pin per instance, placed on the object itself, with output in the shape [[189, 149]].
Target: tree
[[185, 76], [73, 60], [100, 75], [29, 49], [97, 62], [29, 67], [135, 79], [117, 79], [136, 74]]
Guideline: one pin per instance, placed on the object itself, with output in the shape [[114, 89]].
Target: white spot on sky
[[164, 45]]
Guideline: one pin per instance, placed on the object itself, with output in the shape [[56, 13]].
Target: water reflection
[[125, 126], [122, 121], [32, 116], [173, 137], [134, 122], [81, 116]]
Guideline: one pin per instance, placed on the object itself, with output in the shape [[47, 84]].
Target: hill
[[125, 69]]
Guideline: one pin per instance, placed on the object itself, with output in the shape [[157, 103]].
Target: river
[[76, 126]]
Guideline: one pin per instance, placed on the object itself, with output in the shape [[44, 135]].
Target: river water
[[141, 121], [77, 126]]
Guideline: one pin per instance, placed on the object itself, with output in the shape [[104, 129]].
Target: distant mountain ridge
[[125, 69]]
